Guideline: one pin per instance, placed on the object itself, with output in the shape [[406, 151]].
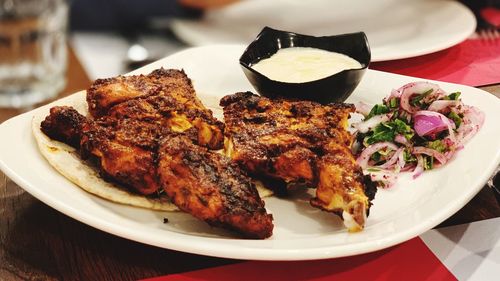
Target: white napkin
[[470, 251]]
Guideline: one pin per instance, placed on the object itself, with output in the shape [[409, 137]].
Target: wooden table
[[39, 243]]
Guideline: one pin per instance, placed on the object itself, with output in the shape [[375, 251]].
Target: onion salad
[[417, 127]]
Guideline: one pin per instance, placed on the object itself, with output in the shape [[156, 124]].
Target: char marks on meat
[[151, 132], [300, 143], [164, 96], [211, 187]]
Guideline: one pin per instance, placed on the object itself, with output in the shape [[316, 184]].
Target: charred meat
[[164, 96], [124, 150], [211, 187], [150, 133], [299, 143]]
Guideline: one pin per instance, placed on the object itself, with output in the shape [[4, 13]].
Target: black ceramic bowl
[[334, 88]]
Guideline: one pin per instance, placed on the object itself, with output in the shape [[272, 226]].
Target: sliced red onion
[[363, 108], [448, 142], [392, 161], [440, 105], [364, 157], [405, 102], [409, 167], [401, 139], [429, 122], [419, 169], [395, 93], [425, 123], [474, 115], [401, 160], [449, 154], [471, 123], [431, 152], [415, 88], [365, 126]]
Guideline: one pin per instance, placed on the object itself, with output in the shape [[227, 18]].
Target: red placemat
[[411, 260], [491, 15], [474, 62]]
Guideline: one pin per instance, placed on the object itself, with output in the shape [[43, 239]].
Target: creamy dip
[[299, 64]]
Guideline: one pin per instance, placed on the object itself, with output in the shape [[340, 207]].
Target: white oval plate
[[301, 232], [396, 29]]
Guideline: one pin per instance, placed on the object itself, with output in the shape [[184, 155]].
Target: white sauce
[[299, 64]]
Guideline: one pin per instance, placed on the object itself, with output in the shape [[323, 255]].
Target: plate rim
[[181, 29], [204, 247]]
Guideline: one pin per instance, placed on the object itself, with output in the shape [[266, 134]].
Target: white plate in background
[[301, 231], [395, 28]]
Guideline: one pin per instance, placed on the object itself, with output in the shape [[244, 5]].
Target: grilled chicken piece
[[198, 124], [279, 138], [64, 124], [300, 143], [164, 96], [158, 140], [342, 188], [125, 150], [104, 93], [147, 156], [211, 187]]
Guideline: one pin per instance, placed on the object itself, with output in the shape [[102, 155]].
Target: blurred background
[[111, 37]]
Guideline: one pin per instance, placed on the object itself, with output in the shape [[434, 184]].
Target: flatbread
[[66, 161]]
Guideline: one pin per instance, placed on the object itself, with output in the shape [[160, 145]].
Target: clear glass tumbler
[[33, 55]]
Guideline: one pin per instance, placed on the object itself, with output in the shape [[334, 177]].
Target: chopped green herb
[[402, 128], [428, 162], [401, 122], [386, 131], [393, 103], [454, 96], [377, 110], [456, 118], [384, 152], [375, 156], [417, 99], [381, 133], [409, 157], [437, 145]]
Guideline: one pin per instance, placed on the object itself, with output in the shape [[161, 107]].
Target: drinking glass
[[33, 53]]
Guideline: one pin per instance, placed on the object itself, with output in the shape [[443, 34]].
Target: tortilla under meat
[[66, 160]]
